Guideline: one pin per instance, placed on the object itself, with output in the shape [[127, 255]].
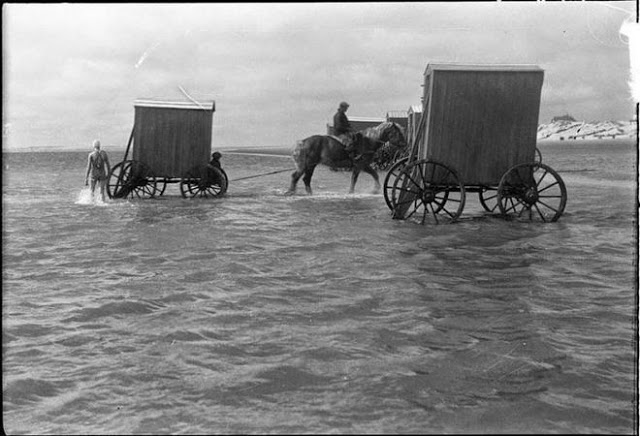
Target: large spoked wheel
[[131, 179], [532, 192], [389, 180], [489, 198], [428, 191], [204, 181]]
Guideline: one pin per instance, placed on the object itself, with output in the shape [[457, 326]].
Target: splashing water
[[85, 198]]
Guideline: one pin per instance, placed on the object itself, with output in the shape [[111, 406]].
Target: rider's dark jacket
[[341, 123]]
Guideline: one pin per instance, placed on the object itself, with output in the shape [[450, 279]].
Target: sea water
[[261, 313]]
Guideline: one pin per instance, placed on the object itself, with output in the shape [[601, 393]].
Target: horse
[[328, 150]]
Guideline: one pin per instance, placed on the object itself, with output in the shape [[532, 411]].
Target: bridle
[[399, 131]]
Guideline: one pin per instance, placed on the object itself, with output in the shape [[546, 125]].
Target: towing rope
[[260, 175]]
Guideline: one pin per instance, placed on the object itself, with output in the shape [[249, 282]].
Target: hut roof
[[396, 114], [480, 67], [208, 105]]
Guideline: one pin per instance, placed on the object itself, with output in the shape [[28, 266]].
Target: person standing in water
[[98, 169]]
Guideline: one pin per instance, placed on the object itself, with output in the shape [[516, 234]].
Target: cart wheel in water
[[226, 179], [129, 179], [488, 198], [203, 181], [394, 172], [532, 192], [429, 191]]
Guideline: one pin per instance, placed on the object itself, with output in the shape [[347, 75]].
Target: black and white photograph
[[320, 218]]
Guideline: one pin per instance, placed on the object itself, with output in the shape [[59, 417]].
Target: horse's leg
[[354, 178], [295, 176], [374, 174], [307, 178]]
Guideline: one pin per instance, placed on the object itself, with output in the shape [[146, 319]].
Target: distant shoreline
[[271, 151], [288, 150]]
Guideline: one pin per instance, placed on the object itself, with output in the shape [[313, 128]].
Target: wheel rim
[[428, 191], [203, 182], [394, 172], [161, 186], [532, 192], [129, 179], [538, 157], [489, 199]]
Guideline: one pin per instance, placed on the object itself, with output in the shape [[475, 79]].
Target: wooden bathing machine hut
[[414, 115], [482, 119], [477, 134], [398, 117], [172, 137], [171, 142]]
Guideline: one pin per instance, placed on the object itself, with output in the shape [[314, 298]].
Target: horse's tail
[[298, 154]]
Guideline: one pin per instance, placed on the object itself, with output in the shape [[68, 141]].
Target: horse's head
[[393, 134]]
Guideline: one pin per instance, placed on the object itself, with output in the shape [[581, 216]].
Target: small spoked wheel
[[389, 180], [204, 181], [532, 192], [538, 156], [131, 179], [161, 186], [489, 198], [428, 191]]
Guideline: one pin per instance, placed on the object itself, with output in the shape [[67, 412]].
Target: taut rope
[[260, 175]]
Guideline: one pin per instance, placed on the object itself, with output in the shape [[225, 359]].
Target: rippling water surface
[[260, 313]]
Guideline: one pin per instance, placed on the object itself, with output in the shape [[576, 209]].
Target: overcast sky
[[278, 71]]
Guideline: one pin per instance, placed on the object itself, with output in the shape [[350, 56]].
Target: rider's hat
[[344, 104]]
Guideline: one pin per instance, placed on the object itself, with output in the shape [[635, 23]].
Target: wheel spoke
[[540, 213], [412, 191], [448, 213], [435, 214], [403, 202], [508, 209], [548, 187], [455, 200], [542, 177], [548, 206], [416, 206], [410, 178]]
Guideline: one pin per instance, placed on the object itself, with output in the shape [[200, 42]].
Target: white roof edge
[[438, 66], [381, 119], [209, 105]]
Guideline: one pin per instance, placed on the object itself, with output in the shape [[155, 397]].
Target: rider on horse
[[343, 130]]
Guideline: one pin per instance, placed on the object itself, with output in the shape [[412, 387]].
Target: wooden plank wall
[[481, 123], [413, 122], [171, 141]]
